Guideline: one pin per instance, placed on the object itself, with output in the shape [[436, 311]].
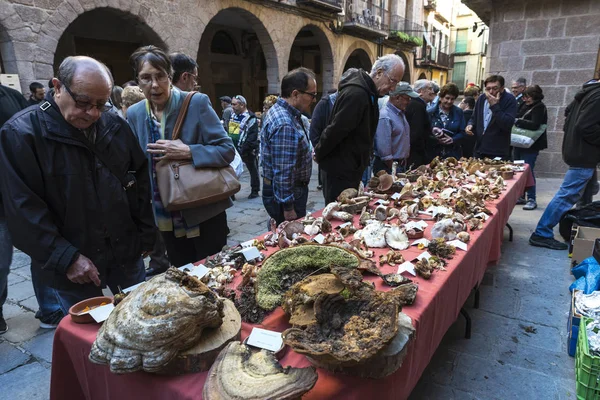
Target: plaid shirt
[[285, 150]]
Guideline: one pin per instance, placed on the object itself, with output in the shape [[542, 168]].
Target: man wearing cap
[[243, 130], [392, 138], [227, 111]]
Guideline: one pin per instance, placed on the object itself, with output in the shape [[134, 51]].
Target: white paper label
[[407, 267], [519, 162], [199, 271], [265, 339], [248, 243], [497, 158], [395, 196], [130, 288], [107, 292], [187, 267], [345, 224], [382, 202], [423, 255], [482, 215], [424, 241], [250, 253], [458, 244], [100, 314], [319, 239]]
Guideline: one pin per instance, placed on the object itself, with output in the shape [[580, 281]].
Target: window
[[461, 41], [458, 74], [222, 43]]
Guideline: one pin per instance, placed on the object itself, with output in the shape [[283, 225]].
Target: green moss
[[288, 266]]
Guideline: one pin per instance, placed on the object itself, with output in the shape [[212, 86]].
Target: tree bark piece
[[201, 357], [241, 374]]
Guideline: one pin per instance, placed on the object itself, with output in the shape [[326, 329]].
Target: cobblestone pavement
[[501, 360]]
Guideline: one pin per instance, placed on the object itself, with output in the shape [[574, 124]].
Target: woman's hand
[[446, 140], [170, 150]]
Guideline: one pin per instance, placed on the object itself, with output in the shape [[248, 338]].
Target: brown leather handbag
[[183, 186]]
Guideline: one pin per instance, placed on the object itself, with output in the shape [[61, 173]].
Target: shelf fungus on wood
[[290, 265], [241, 374], [155, 322], [347, 332]]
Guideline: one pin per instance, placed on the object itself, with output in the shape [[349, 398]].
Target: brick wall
[[552, 43]]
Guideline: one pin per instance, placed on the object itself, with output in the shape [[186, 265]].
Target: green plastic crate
[[587, 367]]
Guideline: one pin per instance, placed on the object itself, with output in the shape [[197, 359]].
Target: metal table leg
[[510, 232], [468, 319], [476, 299]]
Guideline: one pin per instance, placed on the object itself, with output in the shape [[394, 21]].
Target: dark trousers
[[333, 186], [251, 162], [490, 156], [379, 165], [416, 159], [158, 258], [529, 156], [275, 209], [213, 236]]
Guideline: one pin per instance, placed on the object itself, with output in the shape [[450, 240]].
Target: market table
[[437, 305]]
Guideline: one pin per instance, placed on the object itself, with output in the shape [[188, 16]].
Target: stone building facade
[[241, 46], [551, 43]]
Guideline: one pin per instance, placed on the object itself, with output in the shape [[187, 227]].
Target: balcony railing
[[369, 20], [406, 31], [329, 6]]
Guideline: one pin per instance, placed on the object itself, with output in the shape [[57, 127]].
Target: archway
[[406, 76], [108, 35], [238, 57], [8, 61], [312, 50], [358, 59], [422, 75]]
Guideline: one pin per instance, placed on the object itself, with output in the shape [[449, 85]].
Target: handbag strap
[[181, 116]]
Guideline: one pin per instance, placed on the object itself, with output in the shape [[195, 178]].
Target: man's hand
[[290, 215], [446, 140], [469, 130], [170, 150], [83, 271], [492, 100]]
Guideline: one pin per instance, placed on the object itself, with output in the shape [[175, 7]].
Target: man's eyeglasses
[[193, 76], [86, 105], [160, 78], [395, 82], [313, 95]]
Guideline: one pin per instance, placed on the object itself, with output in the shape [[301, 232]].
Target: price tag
[[265, 339], [396, 196], [423, 255], [497, 158], [458, 244], [130, 288], [519, 162], [423, 241], [319, 239], [100, 314], [407, 267], [107, 292], [250, 253], [382, 202], [345, 224], [199, 271], [186, 267]]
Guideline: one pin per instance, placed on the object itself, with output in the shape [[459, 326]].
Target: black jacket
[[61, 200], [249, 143], [581, 143], [320, 119], [420, 131], [532, 120], [345, 147], [11, 102], [496, 139]]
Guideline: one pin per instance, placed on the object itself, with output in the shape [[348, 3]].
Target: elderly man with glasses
[[346, 145], [78, 187]]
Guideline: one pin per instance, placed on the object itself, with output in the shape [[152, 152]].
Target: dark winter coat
[[61, 201], [532, 120], [581, 143], [496, 140], [345, 146], [420, 131]]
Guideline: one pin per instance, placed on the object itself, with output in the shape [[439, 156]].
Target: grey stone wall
[[554, 44]]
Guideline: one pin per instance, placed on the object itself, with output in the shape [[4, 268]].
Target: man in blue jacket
[[493, 119]]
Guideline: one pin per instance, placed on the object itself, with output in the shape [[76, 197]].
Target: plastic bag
[[587, 274], [585, 216], [237, 164]]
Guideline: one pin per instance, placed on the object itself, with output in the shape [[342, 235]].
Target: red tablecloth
[[437, 305]]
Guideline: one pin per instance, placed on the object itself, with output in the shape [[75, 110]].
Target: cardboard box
[[596, 252], [583, 245], [11, 80]]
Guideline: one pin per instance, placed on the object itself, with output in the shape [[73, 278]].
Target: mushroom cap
[[396, 238], [330, 208], [294, 227], [385, 182]]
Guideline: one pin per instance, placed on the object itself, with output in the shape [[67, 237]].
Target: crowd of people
[[80, 191]]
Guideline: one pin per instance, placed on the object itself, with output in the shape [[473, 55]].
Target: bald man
[[77, 184]]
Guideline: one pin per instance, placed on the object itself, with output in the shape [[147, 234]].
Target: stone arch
[[253, 42], [326, 53], [361, 50], [422, 75], [67, 12], [407, 73], [8, 60]]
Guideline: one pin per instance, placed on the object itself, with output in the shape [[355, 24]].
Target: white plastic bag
[[237, 164]]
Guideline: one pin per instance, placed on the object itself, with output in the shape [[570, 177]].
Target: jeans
[[530, 156], [123, 276], [213, 236], [367, 174], [590, 190], [275, 209], [6, 251], [251, 162], [46, 296], [569, 193]]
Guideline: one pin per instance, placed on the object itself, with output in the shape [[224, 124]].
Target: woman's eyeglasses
[[160, 78], [86, 105]]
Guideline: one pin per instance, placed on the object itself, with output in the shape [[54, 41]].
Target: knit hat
[[226, 99]]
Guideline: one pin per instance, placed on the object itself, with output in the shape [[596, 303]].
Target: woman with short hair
[[448, 124], [190, 234]]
